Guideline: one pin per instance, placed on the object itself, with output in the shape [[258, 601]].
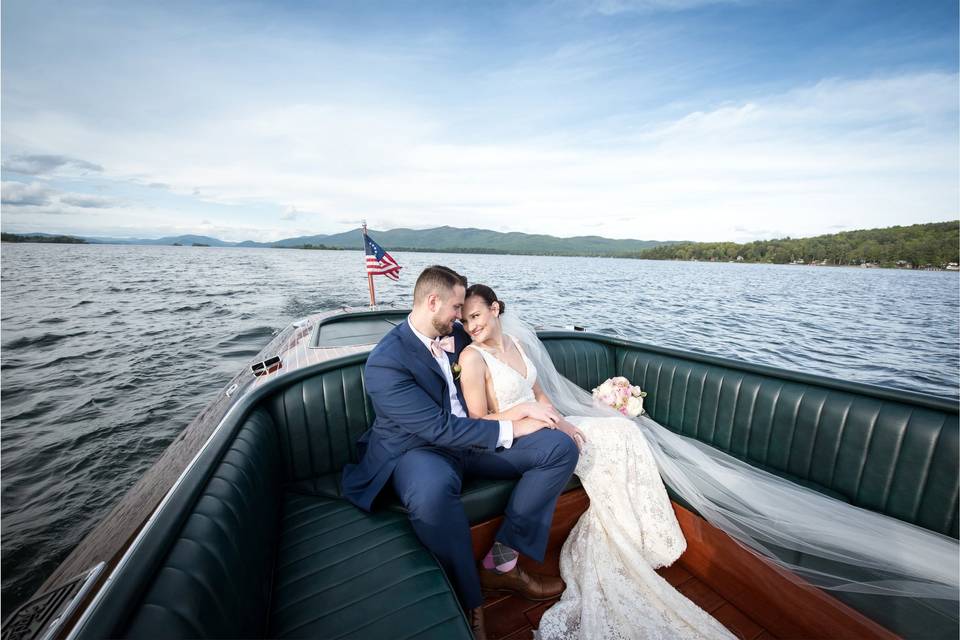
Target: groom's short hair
[[437, 279]]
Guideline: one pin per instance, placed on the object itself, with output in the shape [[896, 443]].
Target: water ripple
[[42, 340]]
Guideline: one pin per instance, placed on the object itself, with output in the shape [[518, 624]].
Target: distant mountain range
[[916, 246], [440, 239]]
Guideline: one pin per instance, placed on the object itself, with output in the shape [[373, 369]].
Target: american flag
[[379, 262]]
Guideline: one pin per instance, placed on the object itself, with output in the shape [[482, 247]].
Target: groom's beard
[[442, 329]]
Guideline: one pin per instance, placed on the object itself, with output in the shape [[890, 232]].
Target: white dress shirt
[[506, 426]]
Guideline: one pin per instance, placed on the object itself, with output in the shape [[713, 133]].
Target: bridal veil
[[831, 544]]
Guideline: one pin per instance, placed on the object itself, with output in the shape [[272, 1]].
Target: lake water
[[108, 352]]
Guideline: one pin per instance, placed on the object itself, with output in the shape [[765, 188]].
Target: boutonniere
[[455, 367]]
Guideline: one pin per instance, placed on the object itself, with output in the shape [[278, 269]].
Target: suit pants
[[428, 481]]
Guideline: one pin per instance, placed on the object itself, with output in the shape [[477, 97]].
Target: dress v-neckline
[[526, 365]]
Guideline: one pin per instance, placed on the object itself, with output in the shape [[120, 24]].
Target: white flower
[[634, 406], [618, 393]]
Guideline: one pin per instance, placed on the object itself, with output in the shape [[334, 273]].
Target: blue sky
[[649, 119]]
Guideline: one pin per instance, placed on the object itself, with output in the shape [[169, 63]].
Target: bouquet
[[621, 395]]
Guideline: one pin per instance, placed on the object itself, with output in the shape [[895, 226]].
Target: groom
[[423, 442]]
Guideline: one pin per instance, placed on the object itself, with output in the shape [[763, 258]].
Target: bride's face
[[479, 319]]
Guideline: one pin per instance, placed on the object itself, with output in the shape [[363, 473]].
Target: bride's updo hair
[[487, 294]]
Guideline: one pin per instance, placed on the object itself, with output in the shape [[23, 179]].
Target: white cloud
[[19, 194], [40, 198], [85, 201], [44, 164], [290, 213], [861, 153]]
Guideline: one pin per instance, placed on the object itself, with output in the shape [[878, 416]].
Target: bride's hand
[[542, 412], [578, 436]]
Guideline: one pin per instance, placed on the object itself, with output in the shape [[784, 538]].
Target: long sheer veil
[[829, 543]]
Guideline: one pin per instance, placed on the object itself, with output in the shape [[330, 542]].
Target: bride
[[629, 530]]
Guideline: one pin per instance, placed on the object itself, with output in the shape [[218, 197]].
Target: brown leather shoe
[[532, 586], [477, 624]]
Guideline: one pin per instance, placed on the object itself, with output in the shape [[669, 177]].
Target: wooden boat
[[239, 530]]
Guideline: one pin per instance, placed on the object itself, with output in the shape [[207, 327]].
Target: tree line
[[935, 244], [13, 237]]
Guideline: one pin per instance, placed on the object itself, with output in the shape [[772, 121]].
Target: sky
[[707, 120]]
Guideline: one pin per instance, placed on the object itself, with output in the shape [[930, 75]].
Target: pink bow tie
[[439, 345]]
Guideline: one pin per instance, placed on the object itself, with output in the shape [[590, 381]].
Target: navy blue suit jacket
[[410, 397]]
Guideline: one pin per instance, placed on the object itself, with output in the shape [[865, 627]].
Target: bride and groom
[[456, 399]]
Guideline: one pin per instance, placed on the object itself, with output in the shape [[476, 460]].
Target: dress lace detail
[[509, 386], [609, 558], [629, 530]]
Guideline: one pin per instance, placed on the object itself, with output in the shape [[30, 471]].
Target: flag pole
[[373, 296]]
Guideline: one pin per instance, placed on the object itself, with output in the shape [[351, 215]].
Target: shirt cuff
[[506, 434]]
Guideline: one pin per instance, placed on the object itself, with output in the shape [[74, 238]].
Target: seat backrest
[[586, 362], [881, 454], [319, 420], [215, 582]]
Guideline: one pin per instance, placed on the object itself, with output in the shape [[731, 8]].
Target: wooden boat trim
[[782, 602]]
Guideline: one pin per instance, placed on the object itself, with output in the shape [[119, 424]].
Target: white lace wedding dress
[[608, 560]]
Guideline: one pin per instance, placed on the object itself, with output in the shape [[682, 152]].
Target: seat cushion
[[345, 573], [483, 498]]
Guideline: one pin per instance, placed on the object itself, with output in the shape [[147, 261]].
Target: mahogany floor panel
[[675, 574], [534, 614], [737, 622], [701, 594], [506, 616]]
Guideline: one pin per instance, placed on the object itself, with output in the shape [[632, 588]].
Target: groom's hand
[[526, 426]]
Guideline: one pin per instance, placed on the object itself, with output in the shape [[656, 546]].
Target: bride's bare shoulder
[[471, 358]]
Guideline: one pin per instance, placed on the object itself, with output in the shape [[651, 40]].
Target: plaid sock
[[500, 558]]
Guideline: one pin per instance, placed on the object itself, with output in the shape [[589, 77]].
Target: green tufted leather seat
[[320, 420], [345, 573], [215, 580], [257, 559]]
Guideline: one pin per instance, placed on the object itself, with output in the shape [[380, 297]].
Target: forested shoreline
[[935, 244], [14, 237]]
